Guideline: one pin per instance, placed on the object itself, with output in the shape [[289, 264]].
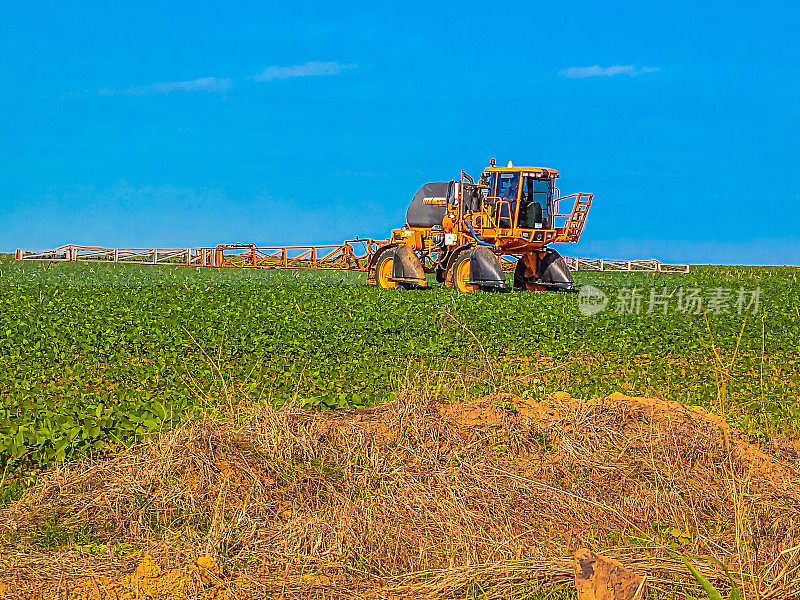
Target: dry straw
[[420, 499]]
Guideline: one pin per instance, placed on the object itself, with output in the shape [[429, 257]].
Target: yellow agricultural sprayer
[[461, 229], [465, 232]]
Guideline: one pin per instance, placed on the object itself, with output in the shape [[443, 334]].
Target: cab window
[[534, 202], [507, 184]]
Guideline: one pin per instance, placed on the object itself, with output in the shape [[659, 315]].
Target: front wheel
[[524, 272], [461, 275]]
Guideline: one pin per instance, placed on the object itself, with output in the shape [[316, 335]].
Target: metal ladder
[[577, 219]]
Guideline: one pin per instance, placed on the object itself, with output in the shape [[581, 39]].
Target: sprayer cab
[[519, 199], [518, 209]]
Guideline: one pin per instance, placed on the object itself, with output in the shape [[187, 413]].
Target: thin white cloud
[[598, 71], [205, 84], [223, 84], [309, 69]]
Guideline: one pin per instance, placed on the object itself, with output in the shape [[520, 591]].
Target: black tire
[[530, 283], [459, 260], [520, 279], [519, 275]]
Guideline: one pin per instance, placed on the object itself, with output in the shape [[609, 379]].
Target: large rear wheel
[[525, 271], [461, 275], [383, 272]]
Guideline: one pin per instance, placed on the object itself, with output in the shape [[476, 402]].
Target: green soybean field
[[94, 357]]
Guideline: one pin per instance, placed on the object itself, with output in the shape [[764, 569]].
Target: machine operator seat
[[530, 213]]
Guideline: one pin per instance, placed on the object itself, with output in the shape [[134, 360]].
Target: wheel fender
[[407, 267], [485, 269], [552, 270]]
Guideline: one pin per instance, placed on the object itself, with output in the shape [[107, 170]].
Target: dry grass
[[417, 499]]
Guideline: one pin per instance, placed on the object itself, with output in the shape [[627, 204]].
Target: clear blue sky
[[169, 124]]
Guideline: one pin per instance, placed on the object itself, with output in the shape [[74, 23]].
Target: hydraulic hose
[[475, 235]]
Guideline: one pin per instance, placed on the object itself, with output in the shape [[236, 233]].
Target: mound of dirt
[[413, 498], [147, 580]]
